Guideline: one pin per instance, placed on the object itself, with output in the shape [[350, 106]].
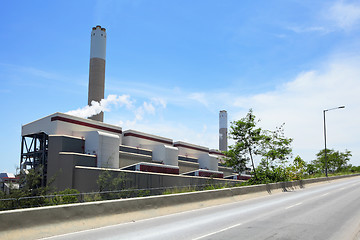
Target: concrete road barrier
[[41, 222]]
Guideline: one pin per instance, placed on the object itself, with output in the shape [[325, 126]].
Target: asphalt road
[[326, 211]]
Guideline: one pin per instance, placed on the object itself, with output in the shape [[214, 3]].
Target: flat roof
[[191, 146], [147, 136], [215, 151], [62, 117], [85, 122]]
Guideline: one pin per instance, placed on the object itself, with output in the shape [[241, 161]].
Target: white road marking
[[294, 205], [222, 230]]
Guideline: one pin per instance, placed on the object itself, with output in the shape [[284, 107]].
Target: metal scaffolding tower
[[34, 154]]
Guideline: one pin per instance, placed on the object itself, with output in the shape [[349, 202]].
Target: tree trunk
[[252, 162]]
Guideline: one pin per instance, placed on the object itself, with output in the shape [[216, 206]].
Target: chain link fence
[[50, 200]]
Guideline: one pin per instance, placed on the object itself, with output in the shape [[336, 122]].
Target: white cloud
[[159, 101], [300, 104], [298, 29], [199, 97], [31, 71], [138, 113], [339, 15], [345, 15], [149, 108]]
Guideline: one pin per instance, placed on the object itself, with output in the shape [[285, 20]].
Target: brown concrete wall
[[126, 159], [57, 144], [64, 177], [85, 179], [185, 166], [226, 170]]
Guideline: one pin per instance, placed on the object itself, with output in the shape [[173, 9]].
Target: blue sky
[[175, 64]]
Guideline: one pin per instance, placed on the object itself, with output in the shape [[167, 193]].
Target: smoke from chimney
[[103, 106]]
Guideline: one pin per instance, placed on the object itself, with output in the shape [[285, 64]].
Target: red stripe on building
[[156, 169], [210, 174], [147, 138], [243, 177], [193, 148], [217, 153], [85, 124]]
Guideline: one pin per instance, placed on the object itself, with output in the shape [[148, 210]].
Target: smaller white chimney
[[223, 131]]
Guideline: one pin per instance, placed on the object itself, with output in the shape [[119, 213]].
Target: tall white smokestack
[[97, 68], [223, 131]]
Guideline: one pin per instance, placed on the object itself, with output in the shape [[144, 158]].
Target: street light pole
[[326, 164], [325, 145]]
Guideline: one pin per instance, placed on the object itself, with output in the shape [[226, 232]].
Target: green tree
[[109, 181], [272, 146], [247, 138], [31, 193], [354, 169], [275, 147], [64, 197], [336, 161], [269, 174], [298, 168], [30, 182], [311, 168], [30, 186]]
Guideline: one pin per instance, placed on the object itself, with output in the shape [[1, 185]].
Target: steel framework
[[34, 154]]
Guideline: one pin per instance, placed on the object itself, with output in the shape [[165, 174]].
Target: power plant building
[[73, 151], [69, 148]]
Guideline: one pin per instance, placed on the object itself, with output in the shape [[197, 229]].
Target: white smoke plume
[[102, 106]]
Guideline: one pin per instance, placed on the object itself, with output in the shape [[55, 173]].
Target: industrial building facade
[[73, 151], [68, 147]]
